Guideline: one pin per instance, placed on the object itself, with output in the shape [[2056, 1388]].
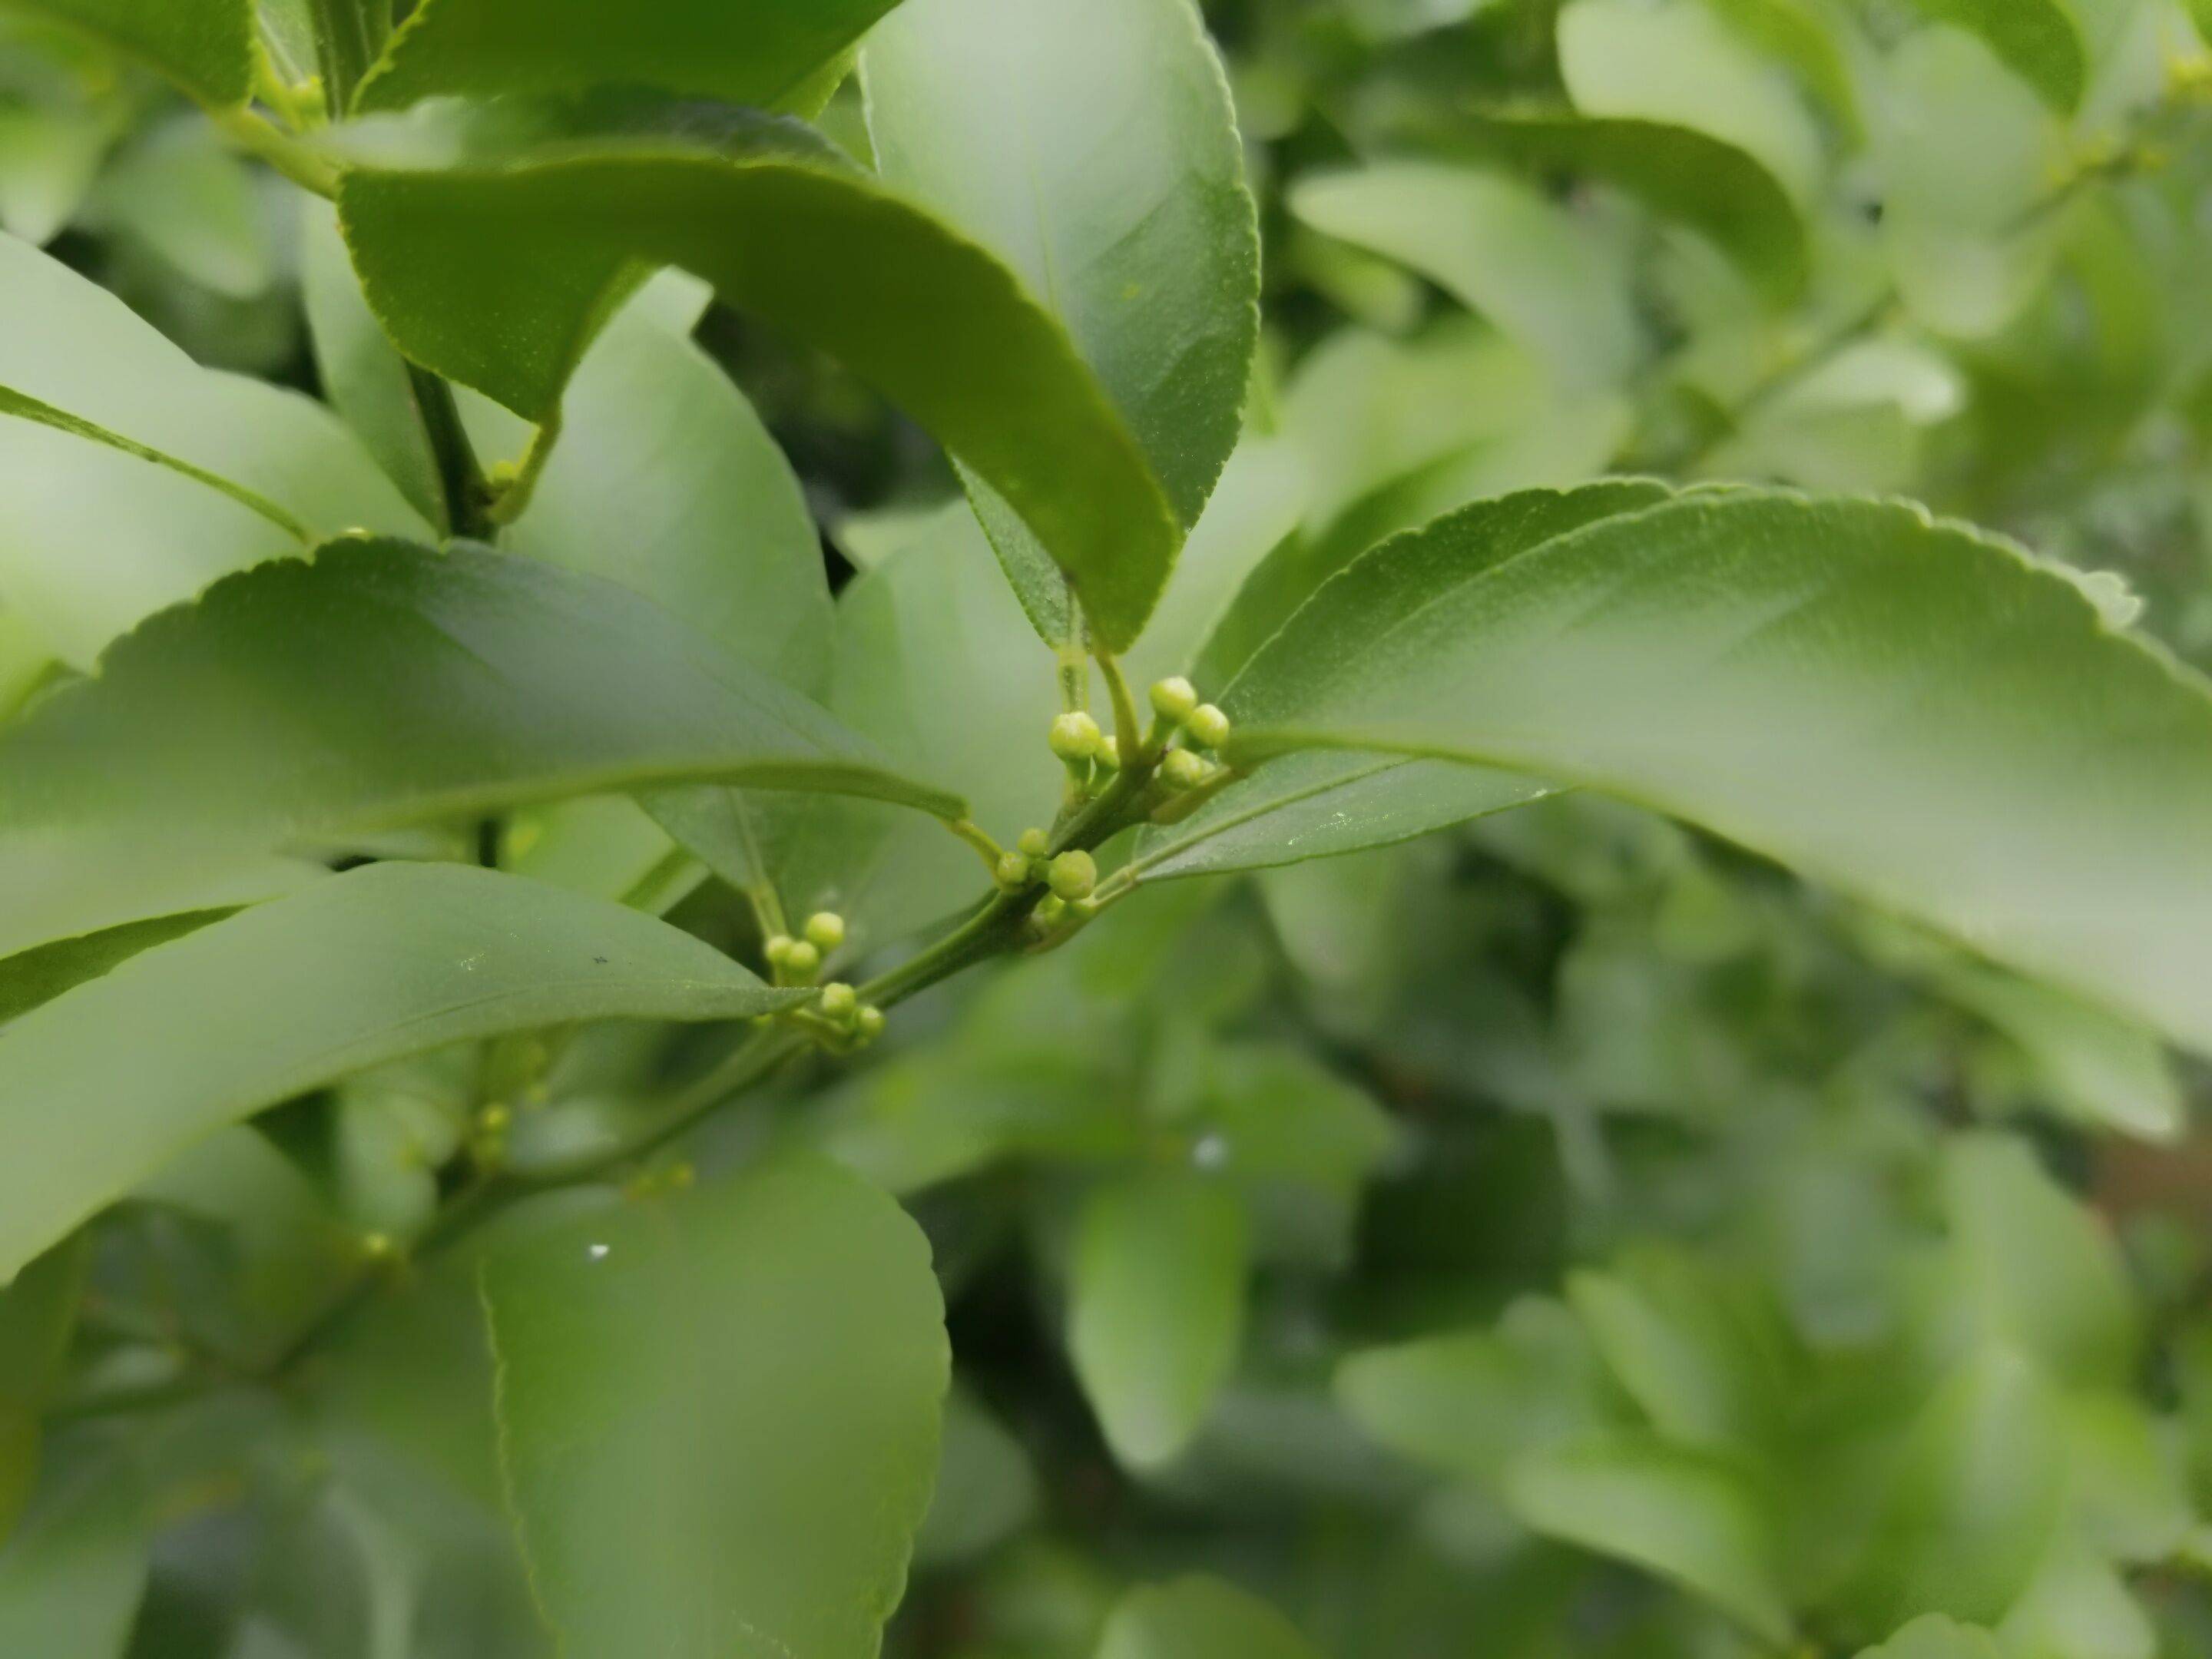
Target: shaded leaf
[[2037, 38], [1198, 1618], [206, 46]]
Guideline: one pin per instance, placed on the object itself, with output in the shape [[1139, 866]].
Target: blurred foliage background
[[1606, 1245]]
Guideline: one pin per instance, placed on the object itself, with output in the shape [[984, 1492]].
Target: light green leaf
[[1799, 35], [1682, 63], [1978, 1492], [496, 271], [1472, 1402], [2077, 1607], [2040, 1270], [985, 1487], [1934, 1637], [368, 966], [2037, 38], [93, 538], [378, 686], [181, 195], [206, 46], [719, 1416], [1101, 161], [38, 1316], [48, 161], [2106, 1073], [1156, 1307], [1196, 1618], [763, 52], [1685, 1514], [1721, 192], [1884, 701], [31, 977], [1546, 278]]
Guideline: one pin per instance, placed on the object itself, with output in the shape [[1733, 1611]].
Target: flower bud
[[1075, 737], [1013, 873], [777, 950], [868, 1024], [1183, 769], [1207, 726], [839, 1001], [825, 929], [1036, 843], [802, 961], [1175, 699], [1072, 875]]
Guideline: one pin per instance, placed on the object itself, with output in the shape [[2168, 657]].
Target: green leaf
[[37, 1317], [1934, 1637], [96, 536], [1979, 1486], [1886, 701], [2106, 1072], [364, 968], [1321, 805], [2041, 1271], [71, 1579], [49, 159], [719, 1415], [1685, 1514], [2037, 38], [985, 1489], [494, 272], [1706, 1357], [1156, 1307], [1715, 189], [1543, 276], [206, 46], [1324, 804], [376, 687], [1148, 251], [1196, 1618], [31, 977], [1682, 64], [762, 53], [1472, 1402]]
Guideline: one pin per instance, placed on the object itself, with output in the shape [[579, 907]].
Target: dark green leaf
[[361, 969], [1200, 1619], [1156, 1307], [375, 687], [719, 1416], [35, 977], [1886, 702], [206, 46], [763, 52], [1147, 252], [71, 1579], [496, 272]]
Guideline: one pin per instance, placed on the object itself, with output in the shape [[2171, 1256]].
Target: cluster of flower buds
[[1199, 726], [854, 1021], [797, 961]]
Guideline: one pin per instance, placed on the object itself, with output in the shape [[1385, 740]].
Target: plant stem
[[252, 133], [461, 479]]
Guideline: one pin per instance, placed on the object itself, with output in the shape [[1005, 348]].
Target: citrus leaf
[[190, 474], [1197, 1618], [2037, 38], [719, 1415], [763, 52], [206, 46], [1920, 714], [1685, 1514], [1934, 1637], [1715, 189], [387, 961], [1156, 1308], [494, 273], [1148, 251], [378, 686]]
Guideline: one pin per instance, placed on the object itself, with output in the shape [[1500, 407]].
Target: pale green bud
[[1076, 737], [868, 1024], [1207, 726], [1072, 875], [1036, 843], [839, 1002], [778, 948], [826, 930], [1183, 769], [1175, 699], [1013, 873], [802, 961]]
